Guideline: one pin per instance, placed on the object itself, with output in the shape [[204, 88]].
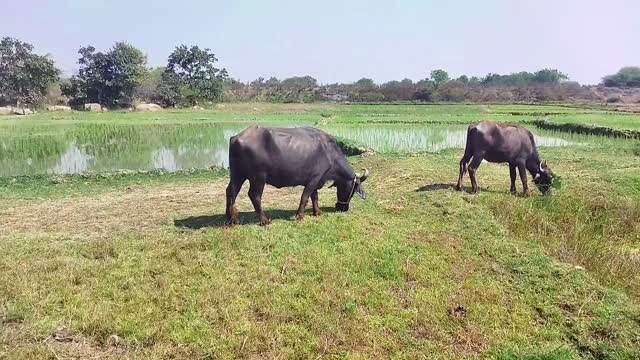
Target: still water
[[78, 148]]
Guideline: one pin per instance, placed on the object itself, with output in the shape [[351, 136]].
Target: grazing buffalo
[[285, 157], [501, 143]]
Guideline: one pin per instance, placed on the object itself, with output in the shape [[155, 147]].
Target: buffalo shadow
[[450, 186], [246, 218], [436, 186]]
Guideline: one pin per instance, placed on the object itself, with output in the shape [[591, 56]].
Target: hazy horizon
[[342, 42]]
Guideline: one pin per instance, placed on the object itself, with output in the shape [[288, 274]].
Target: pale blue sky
[[335, 40]]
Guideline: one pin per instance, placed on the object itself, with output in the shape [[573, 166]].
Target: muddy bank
[[351, 148]]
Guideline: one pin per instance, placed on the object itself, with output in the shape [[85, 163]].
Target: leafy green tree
[[192, 77], [273, 81], [549, 76], [425, 90], [439, 77], [109, 78], [25, 77], [365, 84], [299, 82], [149, 88], [474, 80], [627, 76], [463, 79]]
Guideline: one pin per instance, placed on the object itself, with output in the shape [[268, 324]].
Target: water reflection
[[80, 148], [73, 161]]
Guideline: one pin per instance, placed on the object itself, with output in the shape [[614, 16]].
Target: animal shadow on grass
[[246, 217], [445, 186], [436, 186]]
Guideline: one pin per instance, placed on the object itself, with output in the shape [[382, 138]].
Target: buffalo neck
[[533, 164], [343, 171]]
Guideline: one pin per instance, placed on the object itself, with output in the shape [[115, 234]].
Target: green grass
[[310, 113], [415, 271], [383, 280]]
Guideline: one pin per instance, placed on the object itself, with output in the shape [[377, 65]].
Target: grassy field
[[346, 114], [139, 265]]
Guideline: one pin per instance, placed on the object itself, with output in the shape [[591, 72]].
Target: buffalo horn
[[364, 175]]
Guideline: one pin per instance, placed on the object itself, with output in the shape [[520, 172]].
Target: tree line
[[120, 77], [542, 85]]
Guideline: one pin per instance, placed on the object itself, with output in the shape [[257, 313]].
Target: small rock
[[22, 111], [6, 110], [58, 108], [93, 107], [62, 334], [198, 108], [115, 340], [148, 107], [578, 267]]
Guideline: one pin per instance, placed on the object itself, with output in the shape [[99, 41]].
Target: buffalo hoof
[[233, 218], [265, 221], [317, 213], [513, 191], [299, 217], [458, 188], [526, 193]]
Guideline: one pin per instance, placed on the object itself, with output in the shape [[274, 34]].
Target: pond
[[77, 148]]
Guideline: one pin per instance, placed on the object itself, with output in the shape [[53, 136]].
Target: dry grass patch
[[137, 209]]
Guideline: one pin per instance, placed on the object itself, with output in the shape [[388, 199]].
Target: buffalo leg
[[463, 169], [314, 202], [255, 194], [232, 192], [308, 190], [473, 167], [512, 172], [523, 177]]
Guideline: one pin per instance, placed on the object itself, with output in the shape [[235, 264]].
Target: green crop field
[[97, 262]]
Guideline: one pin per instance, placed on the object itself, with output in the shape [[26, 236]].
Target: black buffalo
[[285, 157], [501, 143]]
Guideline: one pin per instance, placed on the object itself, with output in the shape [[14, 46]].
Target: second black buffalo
[[285, 157]]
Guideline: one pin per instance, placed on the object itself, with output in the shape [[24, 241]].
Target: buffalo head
[[544, 178], [347, 188]]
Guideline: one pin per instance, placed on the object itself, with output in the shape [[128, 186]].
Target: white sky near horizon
[[342, 41]]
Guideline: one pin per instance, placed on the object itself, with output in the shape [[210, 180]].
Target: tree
[[191, 77], [463, 79], [627, 76], [365, 84], [149, 88], [24, 76], [439, 77], [273, 81], [107, 78], [424, 91], [299, 82], [549, 76]]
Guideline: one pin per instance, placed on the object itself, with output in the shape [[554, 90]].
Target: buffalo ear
[[360, 191]]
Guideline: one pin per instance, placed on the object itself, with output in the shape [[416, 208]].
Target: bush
[[627, 76]]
